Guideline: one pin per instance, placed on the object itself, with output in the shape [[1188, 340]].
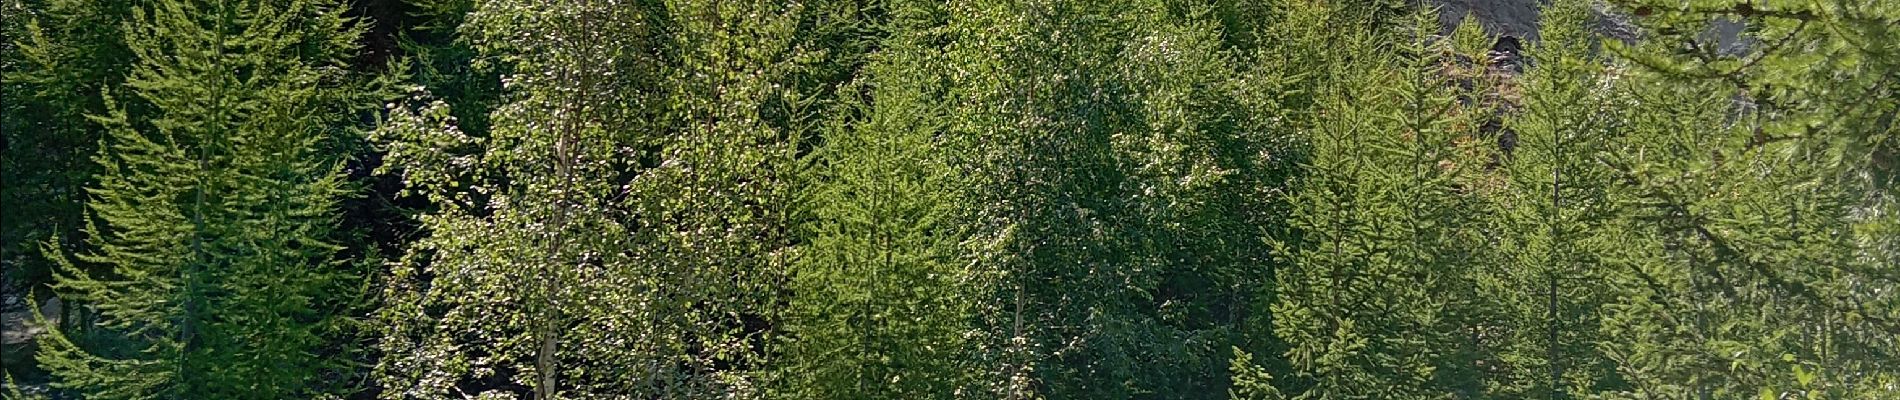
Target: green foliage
[[1116, 149], [623, 226], [527, 218], [883, 300], [213, 214], [1820, 74], [448, 64], [1389, 216], [56, 58], [1744, 258], [1251, 382], [716, 207], [1113, 199], [1754, 190], [1556, 214]]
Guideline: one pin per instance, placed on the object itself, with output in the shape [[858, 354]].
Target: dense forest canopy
[[924, 199]]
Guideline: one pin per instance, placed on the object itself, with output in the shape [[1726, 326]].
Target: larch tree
[[883, 298], [1756, 185], [212, 211], [1555, 212], [1388, 216], [1293, 65], [58, 55], [1742, 276]]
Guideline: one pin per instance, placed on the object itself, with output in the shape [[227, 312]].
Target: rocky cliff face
[[1499, 17], [1519, 17]]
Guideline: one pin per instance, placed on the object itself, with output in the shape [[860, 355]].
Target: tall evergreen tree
[[1388, 216], [448, 64], [213, 214], [1556, 213], [883, 299], [1747, 269], [1821, 73], [58, 56], [1755, 185]]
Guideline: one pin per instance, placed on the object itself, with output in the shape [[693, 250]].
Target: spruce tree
[[213, 213]]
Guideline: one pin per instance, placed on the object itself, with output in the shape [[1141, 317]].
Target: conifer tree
[[1821, 71], [1555, 212], [883, 298], [1746, 276], [1118, 199], [13, 390], [1292, 65], [1756, 191], [448, 64], [213, 213], [58, 55], [1250, 380], [1388, 216]]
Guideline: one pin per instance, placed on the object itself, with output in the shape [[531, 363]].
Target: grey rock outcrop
[[1519, 18]]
